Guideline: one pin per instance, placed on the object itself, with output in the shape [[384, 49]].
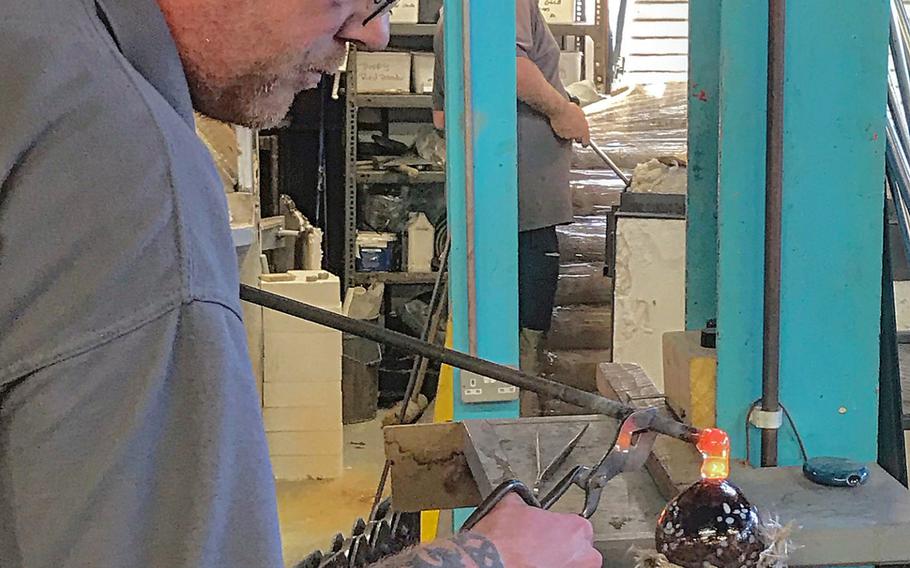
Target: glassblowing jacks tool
[[629, 452]]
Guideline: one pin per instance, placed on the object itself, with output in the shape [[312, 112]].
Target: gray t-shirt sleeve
[[524, 44], [524, 33]]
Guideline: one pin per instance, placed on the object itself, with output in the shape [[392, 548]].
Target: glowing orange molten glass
[[714, 446]]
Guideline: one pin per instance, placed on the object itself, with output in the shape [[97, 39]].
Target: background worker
[[130, 429], [548, 122]]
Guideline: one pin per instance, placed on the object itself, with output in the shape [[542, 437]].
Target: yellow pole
[[444, 412]]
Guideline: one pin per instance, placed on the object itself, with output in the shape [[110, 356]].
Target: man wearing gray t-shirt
[[130, 429], [548, 122]]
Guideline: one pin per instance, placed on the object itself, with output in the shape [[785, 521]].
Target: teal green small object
[[836, 472]]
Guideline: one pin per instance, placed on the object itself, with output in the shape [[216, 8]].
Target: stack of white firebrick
[[302, 380]]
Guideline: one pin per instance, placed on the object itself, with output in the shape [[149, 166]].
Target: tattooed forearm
[[461, 551]]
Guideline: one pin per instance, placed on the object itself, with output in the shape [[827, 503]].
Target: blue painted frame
[[492, 142], [740, 211], [701, 198], [832, 224], [835, 101]]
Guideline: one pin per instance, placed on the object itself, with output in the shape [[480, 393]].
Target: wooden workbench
[[444, 466], [862, 526], [630, 503]]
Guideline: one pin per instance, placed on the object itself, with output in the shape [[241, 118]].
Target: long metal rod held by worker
[[609, 161], [589, 401]]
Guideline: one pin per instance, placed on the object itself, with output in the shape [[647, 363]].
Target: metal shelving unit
[[358, 177], [412, 30], [373, 176], [598, 31], [350, 173], [394, 100], [395, 277]]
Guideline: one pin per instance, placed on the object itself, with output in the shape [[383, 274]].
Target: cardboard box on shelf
[[558, 11], [405, 12], [422, 72], [384, 72]]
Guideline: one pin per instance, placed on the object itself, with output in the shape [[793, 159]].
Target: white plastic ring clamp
[[766, 420]]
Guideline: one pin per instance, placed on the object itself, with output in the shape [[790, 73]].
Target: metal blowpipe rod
[[770, 401], [609, 161], [589, 401]]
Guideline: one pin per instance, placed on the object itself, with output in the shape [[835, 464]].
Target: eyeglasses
[[381, 7]]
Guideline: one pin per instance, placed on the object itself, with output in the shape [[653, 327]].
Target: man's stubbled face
[[245, 60]]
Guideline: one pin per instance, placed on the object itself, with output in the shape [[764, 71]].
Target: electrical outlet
[[477, 388]]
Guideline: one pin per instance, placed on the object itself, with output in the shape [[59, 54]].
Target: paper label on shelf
[[384, 72], [405, 12], [558, 11]]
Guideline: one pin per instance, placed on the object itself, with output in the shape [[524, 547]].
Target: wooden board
[[429, 470]]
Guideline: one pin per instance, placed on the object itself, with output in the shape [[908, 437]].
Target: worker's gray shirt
[[544, 159], [130, 429]]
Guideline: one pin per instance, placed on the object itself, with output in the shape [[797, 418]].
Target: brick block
[[305, 395], [322, 443], [302, 357], [303, 419], [273, 322], [690, 378], [325, 292]]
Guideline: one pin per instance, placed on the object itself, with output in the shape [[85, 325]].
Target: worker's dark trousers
[[538, 273]]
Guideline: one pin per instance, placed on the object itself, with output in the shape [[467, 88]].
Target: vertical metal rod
[[469, 178], [898, 189], [773, 207], [620, 27], [899, 55]]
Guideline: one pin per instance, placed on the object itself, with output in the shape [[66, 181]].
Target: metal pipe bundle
[[897, 164]]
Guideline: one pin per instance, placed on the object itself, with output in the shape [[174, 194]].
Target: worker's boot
[[530, 346]]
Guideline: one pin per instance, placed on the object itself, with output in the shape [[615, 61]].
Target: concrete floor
[[312, 512]]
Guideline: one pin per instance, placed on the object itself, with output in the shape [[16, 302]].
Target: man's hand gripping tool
[[629, 452]]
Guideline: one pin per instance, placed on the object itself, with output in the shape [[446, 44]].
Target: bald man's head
[[245, 60]]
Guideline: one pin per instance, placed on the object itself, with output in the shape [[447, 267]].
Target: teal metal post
[[835, 101], [481, 127], [740, 205], [701, 201], [482, 190], [833, 167]]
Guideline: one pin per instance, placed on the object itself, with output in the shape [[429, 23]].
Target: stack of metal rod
[[898, 150], [386, 533]]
